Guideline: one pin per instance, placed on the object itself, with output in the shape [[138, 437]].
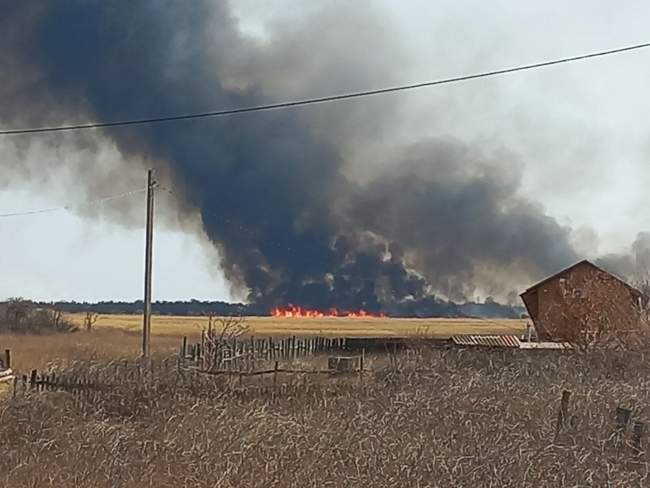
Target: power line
[[98, 201], [331, 98]]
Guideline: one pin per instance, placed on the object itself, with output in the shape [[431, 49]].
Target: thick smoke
[[271, 187], [633, 265], [455, 212]]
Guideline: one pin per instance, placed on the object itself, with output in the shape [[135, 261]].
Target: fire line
[[292, 311]]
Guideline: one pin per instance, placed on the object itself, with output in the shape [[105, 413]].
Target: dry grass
[[119, 335], [38, 351], [436, 418], [349, 327]]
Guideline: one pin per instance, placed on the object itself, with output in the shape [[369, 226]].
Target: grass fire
[[293, 311]]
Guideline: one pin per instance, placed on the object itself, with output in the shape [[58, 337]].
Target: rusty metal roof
[[545, 345], [486, 340]]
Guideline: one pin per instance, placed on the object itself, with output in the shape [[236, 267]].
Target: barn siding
[[580, 299]]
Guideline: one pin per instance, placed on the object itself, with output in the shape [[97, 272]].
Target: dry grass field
[[117, 336], [164, 325], [422, 418], [39, 351]]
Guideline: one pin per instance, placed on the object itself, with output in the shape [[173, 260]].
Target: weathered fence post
[[563, 412], [638, 429], [361, 361], [275, 376], [621, 420], [32, 379], [183, 350]]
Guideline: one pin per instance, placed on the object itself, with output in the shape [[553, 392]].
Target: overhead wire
[[97, 201], [324, 99]]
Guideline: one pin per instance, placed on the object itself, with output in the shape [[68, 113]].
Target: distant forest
[[437, 308]]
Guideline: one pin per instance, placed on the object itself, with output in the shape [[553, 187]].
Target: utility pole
[[148, 253]]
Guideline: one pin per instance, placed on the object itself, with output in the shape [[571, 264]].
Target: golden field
[[118, 336], [165, 325]]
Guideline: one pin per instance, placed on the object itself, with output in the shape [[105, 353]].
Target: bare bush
[[219, 335], [22, 316], [89, 320]]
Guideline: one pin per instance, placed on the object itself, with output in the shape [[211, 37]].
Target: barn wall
[[585, 300], [531, 302]]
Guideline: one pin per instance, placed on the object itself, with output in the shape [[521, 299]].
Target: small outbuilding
[[584, 304]]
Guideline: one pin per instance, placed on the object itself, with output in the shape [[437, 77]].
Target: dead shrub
[[23, 317]]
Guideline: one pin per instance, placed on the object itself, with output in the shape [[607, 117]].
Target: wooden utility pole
[[148, 253]]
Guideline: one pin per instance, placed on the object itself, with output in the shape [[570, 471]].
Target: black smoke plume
[[441, 219]]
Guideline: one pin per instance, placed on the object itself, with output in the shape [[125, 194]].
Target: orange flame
[[293, 311]]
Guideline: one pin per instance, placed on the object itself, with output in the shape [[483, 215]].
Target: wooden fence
[[243, 354], [119, 372], [77, 385]]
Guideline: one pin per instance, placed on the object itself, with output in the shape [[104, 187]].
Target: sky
[[576, 132]]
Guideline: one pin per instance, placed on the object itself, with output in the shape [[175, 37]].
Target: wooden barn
[[585, 304]]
